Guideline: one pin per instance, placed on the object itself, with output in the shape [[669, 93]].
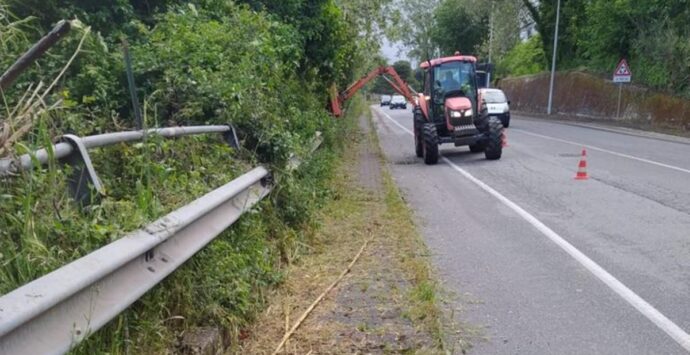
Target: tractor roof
[[455, 58]]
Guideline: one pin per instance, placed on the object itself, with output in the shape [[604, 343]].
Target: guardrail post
[[83, 174]]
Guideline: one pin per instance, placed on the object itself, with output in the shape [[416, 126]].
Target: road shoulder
[[673, 136], [388, 302]]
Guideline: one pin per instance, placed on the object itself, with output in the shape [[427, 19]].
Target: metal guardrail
[[58, 310], [63, 149], [55, 312], [73, 150]]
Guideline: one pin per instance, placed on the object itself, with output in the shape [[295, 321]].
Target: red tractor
[[450, 110]]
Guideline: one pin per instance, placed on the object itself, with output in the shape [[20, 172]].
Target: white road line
[[396, 122], [660, 320], [603, 150]]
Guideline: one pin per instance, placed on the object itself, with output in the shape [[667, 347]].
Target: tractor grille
[[463, 126], [465, 130], [462, 121]]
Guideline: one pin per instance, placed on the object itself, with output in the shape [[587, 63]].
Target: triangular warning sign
[[622, 69]]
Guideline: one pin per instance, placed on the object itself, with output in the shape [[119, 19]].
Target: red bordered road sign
[[622, 74]]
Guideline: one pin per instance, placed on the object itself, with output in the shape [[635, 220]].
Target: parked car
[[497, 104], [398, 102], [385, 100]]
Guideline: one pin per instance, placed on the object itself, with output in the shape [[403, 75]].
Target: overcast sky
[[393, 52]]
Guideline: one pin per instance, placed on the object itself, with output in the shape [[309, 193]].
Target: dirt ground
[[387, 303]]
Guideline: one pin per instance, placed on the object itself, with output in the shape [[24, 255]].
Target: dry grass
[[386, 304], [32, 104]]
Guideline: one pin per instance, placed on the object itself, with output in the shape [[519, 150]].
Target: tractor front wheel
[[430, 144], [418, 143], [494, 144], [477, 148]]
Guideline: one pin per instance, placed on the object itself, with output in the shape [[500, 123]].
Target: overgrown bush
[[214, 62]]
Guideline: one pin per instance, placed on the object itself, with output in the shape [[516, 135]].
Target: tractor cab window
[[454, 79]]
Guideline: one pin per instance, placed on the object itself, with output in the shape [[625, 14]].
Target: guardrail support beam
[[84, 175], [231, 137]]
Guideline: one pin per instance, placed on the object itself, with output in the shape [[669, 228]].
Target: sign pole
[[620, 89], [621, 75], [491, 41], [553, 60]]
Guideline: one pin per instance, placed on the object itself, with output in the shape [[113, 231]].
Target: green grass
[[212, 65], [224, 285], [426, 297]]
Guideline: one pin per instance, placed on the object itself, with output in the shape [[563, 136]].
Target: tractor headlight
[[460, 114]]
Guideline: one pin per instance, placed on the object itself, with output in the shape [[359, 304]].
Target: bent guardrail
[[73, 150], [55, 312]]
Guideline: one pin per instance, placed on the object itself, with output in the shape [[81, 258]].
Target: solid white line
[[603, 150], [394, 121], [660, 320]]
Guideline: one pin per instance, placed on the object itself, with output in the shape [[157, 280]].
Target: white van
[[497, 104]]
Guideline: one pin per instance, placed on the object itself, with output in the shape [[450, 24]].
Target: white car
[[497, 104], [398, 102]]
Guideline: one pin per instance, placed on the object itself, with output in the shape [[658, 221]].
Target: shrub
[[525, 58], [214, 63]]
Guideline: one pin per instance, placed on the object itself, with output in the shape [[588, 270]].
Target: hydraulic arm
[[388, 73]]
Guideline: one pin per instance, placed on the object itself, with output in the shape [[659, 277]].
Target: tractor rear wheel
[[430, 144], [494, 144]]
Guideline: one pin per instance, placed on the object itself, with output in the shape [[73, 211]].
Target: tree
[[456, 28], [404, 69], [505, 20], [525, 58], [108, 17], [572, 19], [414, 27]]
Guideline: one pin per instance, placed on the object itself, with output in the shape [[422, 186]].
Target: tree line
[[593, 35]]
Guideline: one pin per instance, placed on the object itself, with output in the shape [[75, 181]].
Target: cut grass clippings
[[387, 303]]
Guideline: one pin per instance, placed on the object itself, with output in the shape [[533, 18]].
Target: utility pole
[[491, 44], [553, 60]]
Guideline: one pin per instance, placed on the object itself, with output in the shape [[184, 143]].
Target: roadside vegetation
[[389, 301], [263, 66], [593, 36]]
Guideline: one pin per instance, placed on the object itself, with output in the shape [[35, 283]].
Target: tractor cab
[[452, 88], [451, 110]]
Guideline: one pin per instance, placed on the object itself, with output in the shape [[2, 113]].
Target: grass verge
[[388, 303]]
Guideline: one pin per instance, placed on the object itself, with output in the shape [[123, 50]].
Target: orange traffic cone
[[504, 139], [582, 168]]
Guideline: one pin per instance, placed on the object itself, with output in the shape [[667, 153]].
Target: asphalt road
[[546, 264]]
